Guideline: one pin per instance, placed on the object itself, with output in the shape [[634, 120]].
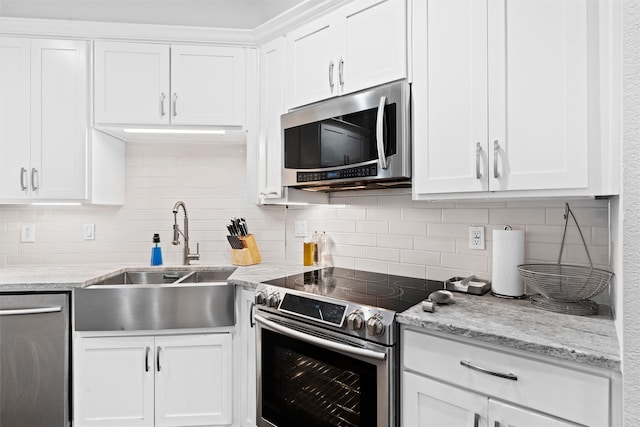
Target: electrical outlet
[[476, 237], [89, 232], [300, 229], [28, 233]]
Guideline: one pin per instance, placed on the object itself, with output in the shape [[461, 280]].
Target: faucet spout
[[188, 256]]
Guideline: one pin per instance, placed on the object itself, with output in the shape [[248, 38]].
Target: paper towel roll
[[508, 253]]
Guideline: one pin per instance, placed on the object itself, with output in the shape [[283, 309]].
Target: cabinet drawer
[[575, 395]]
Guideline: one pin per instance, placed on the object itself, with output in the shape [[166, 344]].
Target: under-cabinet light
[[178, 131], [56, 204]]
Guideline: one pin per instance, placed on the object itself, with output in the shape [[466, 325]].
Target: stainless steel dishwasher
[[34, 359]]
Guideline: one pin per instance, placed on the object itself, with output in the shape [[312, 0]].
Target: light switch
[[301, 229], [28, 233], [89, 232]]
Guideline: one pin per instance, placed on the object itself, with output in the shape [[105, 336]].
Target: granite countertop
[[515, 324], [67, 277]]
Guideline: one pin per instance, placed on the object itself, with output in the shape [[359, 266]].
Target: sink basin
[[142, 278], [163, 277], [152, 299]]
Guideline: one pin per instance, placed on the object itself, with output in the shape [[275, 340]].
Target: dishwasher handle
[[35, 310]]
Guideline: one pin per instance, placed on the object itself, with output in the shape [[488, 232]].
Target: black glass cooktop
[[395, 293]]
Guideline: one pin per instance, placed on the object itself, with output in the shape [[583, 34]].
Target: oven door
[[306, 377]]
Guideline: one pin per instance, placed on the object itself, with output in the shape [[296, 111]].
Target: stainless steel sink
[[139, 299]]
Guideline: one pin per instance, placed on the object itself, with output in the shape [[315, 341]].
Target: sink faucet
[[188, 256]]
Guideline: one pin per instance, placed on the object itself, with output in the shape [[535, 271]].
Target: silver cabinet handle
[[162, 97], [252, 323], [344, 348], [269, 193], [158, 358], [146, 359], [175, 102], [39, 310], [478, 158], [23, 176], [34, 175], [341, 72], [496, 149], [331, 66], [382, 157], [470, 365], [476, 420]]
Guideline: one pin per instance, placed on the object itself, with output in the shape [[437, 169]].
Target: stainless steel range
[[327, 347]]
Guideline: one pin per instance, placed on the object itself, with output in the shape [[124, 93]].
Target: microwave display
[[339, 141]]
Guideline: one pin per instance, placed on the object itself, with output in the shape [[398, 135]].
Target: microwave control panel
[[356, 172]]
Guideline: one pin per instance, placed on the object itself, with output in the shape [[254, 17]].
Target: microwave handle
[[382, 157]]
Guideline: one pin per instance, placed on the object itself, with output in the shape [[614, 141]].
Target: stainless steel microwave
[[356, 141]]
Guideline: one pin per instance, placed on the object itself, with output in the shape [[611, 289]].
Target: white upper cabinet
[[132, 83], [207, 85], [157, 84], [504, 99], [355, 47], [43, 115]]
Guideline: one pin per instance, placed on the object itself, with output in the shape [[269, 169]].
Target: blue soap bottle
[[156, 251]]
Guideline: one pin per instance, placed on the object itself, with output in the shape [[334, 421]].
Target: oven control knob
[[355, 320], [273, 300], [261, 298], [375, 327]]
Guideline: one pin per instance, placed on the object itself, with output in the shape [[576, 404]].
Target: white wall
[[629, 217]]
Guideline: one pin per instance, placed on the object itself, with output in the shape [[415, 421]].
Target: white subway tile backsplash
[[381, 230], [360, 239], [420, 257], [465, 262], [374, 227], [383, 254], [426, 215], [393, 241], [511, 216], [408, 228], [465, 216], [434, 244], [408, 270]]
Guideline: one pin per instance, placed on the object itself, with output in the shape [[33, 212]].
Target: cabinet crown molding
[[123, 31]]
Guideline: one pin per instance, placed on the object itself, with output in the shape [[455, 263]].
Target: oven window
[[305, 385], [339, 141]]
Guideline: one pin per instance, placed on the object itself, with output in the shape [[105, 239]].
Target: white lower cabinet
[[245, 360], [440, 391], [170, 380]]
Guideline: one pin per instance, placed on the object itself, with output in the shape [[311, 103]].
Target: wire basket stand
[[566, 288]]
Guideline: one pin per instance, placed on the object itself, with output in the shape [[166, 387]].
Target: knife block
[[249, 255]]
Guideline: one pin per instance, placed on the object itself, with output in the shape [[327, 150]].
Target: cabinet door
[[504, 415], [375, 44], [313, 57], [272, 78], [430, 403], [449, 96], [208, 85], [113, 381], [538, 86], [193, 380], [131, 83], [247, 359], [14, 118], [59, 108]]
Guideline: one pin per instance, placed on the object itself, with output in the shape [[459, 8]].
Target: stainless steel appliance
[[327, 347], [361, 140], [34, 360]]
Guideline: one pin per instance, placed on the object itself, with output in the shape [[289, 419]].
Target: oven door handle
[[292, 333]]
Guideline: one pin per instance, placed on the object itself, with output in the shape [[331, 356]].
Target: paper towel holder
[[505, 296]]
